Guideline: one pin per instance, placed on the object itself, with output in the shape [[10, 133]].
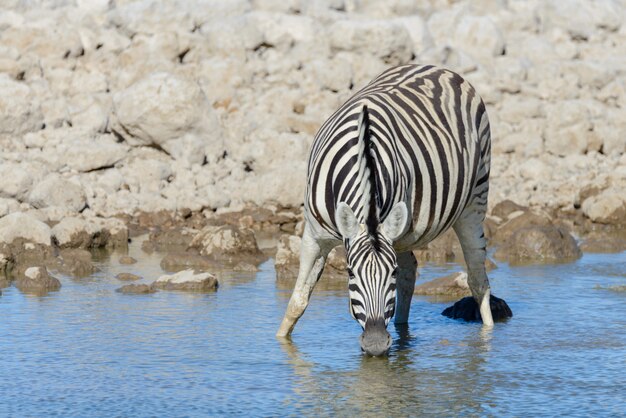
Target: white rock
[[418, 31], [387, 40], [19, 225], [534, 169], [16, 180], [8, 206], [170, 112], [185, 276], [608, 207], [479, 36], [57, 191], [20, 111], [568, 128], [580, 17], [93, 154]]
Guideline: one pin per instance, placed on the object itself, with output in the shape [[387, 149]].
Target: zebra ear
[[346, 221], [393, 227]]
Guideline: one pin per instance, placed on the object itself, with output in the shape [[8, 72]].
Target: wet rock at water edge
[[442, 249], [452, 285], [468, 310], [184, 261], [518, 221], [606, 244], [125, 259], [136, 289], [187, 280], [287, 260], [75, 232], [36, 280], [503, 209], [539, 244], [128, 277], [228, 243], [166, 240], [74, 262]]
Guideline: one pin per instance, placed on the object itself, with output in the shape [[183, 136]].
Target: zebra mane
[[368, 187]]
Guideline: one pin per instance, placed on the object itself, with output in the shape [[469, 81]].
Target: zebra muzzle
[[375, 340]]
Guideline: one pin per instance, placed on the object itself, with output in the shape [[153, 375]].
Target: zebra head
[[372, 268]]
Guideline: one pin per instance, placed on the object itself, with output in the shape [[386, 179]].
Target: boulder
[[442, 249], [16, 180], [539, 244], [19, 225], [93, 154], [75, 232], [8, 206], [174, 240], [479, 36], [468, 310], [185, 261], [136, 289], [74, 262], [287, 260], [20, 111], [517, 221], [603, 244], [504, 208], [172, 113], [58, 191], [386, 40], [608, 207], [453, 285], [37, 280], [129, 277], [568, 128], [187, 280], [125, 259], [227, 243]]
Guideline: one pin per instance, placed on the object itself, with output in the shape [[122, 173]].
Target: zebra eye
[[394, 273], [350, 273]]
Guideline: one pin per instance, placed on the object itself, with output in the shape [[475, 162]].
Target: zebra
[[403, 160]]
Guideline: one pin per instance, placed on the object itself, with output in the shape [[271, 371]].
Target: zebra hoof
[[468, 310]]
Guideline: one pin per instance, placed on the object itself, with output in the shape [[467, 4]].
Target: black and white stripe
[[415, 134]]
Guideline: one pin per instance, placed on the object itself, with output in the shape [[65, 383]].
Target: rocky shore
[[191, 121]]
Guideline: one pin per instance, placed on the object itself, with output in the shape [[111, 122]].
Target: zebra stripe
[[426, 125], [415, 134]]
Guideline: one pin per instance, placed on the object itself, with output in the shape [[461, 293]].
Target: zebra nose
[[375, 340]]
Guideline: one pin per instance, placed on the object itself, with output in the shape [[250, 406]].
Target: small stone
[[184, 261], [125, 259], [128, 277], [136, 289], [37, 280], [187, 280], [453, 285]]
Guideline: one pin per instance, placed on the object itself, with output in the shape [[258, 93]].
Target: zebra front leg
[[405, 284], [482, 305], [312, 259]]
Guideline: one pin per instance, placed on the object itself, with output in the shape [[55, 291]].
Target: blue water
[[88, 351]]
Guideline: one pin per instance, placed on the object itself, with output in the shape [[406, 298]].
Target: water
[[89, 351]]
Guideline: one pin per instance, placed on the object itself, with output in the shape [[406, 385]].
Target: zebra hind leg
[[405, 284], [312, 259], [482, 305]]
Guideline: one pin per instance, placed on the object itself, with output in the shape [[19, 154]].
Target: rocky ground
[[192, 119]]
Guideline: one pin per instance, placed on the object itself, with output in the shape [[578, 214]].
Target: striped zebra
[[403, 160]]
